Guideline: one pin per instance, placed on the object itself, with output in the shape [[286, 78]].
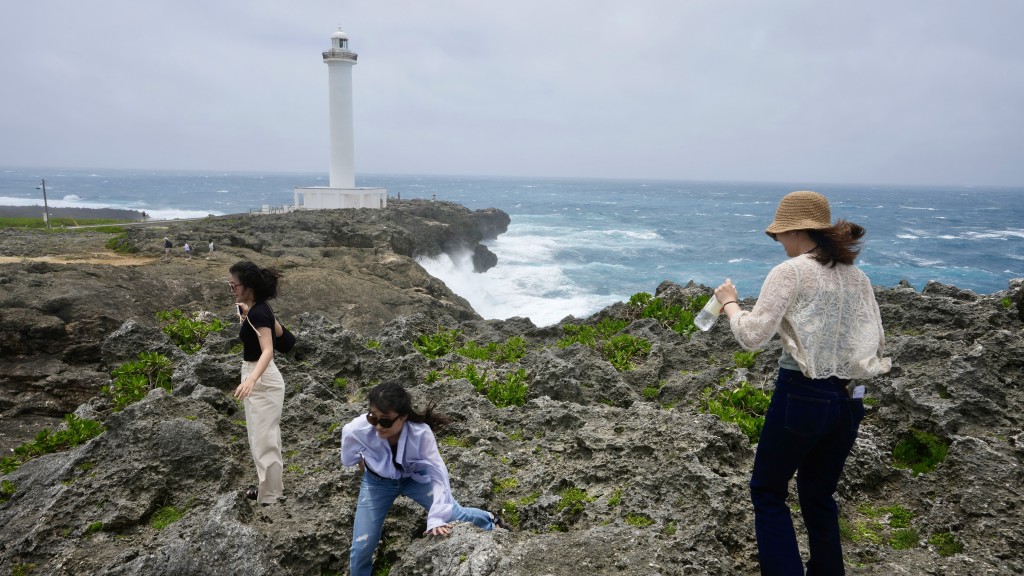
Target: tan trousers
[[263, 423]]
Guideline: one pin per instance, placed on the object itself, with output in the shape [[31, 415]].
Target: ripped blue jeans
[[809, 431], [376, 495]]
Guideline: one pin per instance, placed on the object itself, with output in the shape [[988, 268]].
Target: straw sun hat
[[803, 210]]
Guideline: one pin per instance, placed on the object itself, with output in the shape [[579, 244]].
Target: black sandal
[[252, 492], [499, 522]]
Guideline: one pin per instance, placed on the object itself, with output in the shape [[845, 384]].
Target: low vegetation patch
[[165, 516], [573, 500], [120, 242], [674, 316], [638, 520], [502, 392], [132, 381], [502, 353], [883, 525], [621, 350], [7, 490], [745, 406], [60, 224], [920, 451], [746, 359], [437, 344], [188, 332], [946, 544], [77, 431]]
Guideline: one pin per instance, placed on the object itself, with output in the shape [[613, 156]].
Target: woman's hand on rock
[[441, 531]]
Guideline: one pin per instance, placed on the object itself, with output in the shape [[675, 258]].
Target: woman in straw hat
[[823, 309]]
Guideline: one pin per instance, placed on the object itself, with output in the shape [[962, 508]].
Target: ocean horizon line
[[660, 179]]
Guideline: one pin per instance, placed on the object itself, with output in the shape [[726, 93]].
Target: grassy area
[[56, 223]]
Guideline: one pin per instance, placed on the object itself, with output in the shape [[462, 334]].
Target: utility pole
[[46, 206]]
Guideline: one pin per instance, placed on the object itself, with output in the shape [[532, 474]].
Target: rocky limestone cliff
[[665, 483], [63, 294]]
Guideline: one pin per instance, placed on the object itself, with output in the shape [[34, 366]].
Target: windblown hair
[[392, 396], [839, 244], [263, 281]]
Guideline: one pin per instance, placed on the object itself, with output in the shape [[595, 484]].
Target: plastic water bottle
[[706, 319]]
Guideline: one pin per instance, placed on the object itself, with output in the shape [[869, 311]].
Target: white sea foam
[[642, 235], [72, 198], [541, 293]]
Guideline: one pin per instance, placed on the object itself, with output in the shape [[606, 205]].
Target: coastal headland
[[607, 466]]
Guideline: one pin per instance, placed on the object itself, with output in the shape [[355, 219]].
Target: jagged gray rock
[[665, 483]]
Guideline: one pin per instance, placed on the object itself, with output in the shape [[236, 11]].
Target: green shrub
[[744, 406], [438, 344], [622, 350], [512, 350], [188, 333], [616, 497], [746, 359], [78, 430], [508, 392], [469, 372], [20, 569], [503, 484], [456, 441], [638, 520], [7, 490], [372, 344], [904, 539], [573, 499], [132, 381], [510, 512], [1007, 302], [676, 317], [578, 334], [946, 544], [919, 451], [93, 528], [165, 516], [119, 243]]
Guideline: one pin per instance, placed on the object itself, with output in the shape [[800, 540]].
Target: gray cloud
[[918, 92]]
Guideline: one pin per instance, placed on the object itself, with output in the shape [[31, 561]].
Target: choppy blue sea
[[576, 245]]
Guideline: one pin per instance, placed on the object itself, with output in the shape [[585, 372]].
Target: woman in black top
[[262, 387]]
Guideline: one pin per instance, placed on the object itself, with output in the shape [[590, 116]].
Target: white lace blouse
[[827, 318]]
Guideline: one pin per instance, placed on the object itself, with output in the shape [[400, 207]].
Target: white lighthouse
[[342, 192]]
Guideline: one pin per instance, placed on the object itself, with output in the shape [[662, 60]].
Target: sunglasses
[[233, 285], [382, 422]]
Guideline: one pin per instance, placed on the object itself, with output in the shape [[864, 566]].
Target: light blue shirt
[[417, 454]]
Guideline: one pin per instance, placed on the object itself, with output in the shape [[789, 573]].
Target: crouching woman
[[395, 448]]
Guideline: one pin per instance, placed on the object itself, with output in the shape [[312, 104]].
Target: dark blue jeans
[[809, 431]]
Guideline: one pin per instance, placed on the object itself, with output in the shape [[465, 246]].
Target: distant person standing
[[210, 254], [823, 308], [188, 251], [167, 248]]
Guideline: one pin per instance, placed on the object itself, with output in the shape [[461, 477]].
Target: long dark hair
[[392, 396], [263, 281], [839, 244]]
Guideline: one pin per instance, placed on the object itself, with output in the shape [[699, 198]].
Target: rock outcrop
[[604, 471]]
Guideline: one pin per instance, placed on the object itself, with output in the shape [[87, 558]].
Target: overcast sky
[[912, 91]]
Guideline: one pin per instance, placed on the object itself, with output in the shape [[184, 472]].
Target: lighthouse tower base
[[324, 198]]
